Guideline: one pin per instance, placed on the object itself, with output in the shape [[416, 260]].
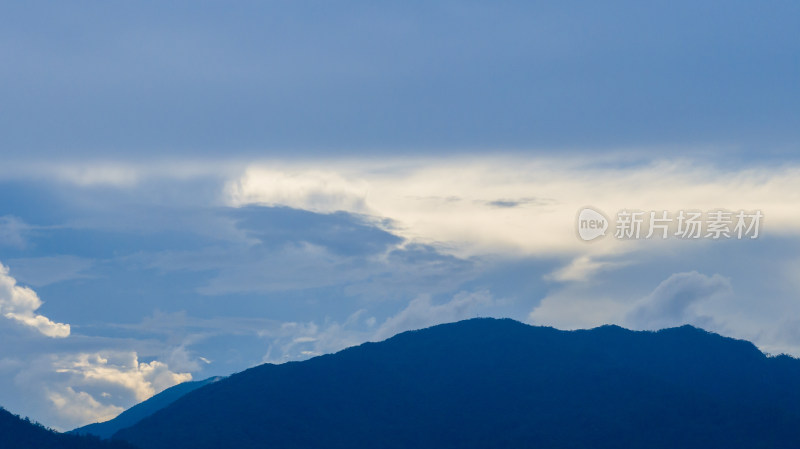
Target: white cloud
[[682, 298], [580, 269], [313, 190], [453, 202], [578, 307], [470, 205], [20, 304], [674, 301], [422, 312], [119, 370], [81, 407], [73, 389], [292, 340]]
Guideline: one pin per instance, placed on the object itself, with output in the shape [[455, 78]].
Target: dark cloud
[[341, 233], [511, 203]]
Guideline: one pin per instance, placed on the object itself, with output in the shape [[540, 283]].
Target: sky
[[194, 188]]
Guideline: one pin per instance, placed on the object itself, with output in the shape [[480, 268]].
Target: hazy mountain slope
[[142, 410], [17, 433], [499, 383]]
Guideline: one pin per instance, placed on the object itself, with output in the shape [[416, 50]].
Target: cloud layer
[[455, 202]]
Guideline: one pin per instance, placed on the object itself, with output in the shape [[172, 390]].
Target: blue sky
[[191, 189]]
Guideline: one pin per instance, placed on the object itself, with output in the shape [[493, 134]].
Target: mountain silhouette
[[18, 433], [142, 410], [487, 383]]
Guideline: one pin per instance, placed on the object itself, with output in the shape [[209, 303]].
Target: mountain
[[142, 410], [18, 433], [501, 384]]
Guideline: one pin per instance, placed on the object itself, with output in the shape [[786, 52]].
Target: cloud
[[257, 269], [445, 202], [294, 340], [682, 298], [41, 271], [514, 204], [298, 250], [315, 190], [81, 407], [123, 370], [74, 389], [578, 307], [422, 312], [13, 232], [580, 269], [20, 304], [118, 174], [672, 302], [98, 174]]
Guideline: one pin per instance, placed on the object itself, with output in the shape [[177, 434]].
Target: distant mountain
[[142, 410], [18, 433], [502, 384]]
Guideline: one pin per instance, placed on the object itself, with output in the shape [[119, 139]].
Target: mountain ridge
[[503, 384], [19, 433], [106, 429]]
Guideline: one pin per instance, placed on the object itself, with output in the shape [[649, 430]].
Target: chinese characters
[[713, 224]]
